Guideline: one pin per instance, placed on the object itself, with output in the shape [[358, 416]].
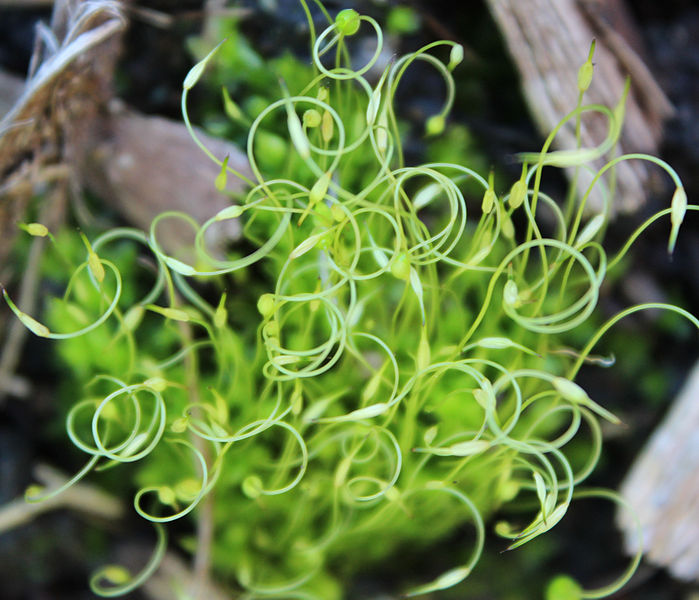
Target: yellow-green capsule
[[221, 314], [586, 70], [540, 488], [430, 434], [133, 317], [372, 109], [93, 261], [510, 294], [308, 244], [518, 191], [116, 574], [422, 360], [678, 208], [392, 494], [468, 448], [252, 486], [311, 118], [435, 125], [444, 581], [222, 177], [327, 126], [35, 229], [320, 188], [368, 412], [372, 386], [178, 266], [231, 108], [175, 314], [29, 322], [271, 329], [489, 197], [265, 305], [507, 228], [197, 70], [455, 56], [427, 195], [110, 412], [485, 400], [34, 326], [166, 495], [298, 137], [590, 230], [570, 390], [585, 76], [316, 194], [337, 213], [156, 383], [347, 22], [563, 587], [575, 394], [620, 108], [187, 489], [230, 212], [33, 491], [342, 470], [400, 267], [179, 425]]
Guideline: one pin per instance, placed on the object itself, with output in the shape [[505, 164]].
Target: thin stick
[[82, 498]]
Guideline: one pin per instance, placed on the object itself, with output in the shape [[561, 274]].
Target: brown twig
[[201, 563], [17, 333], [81, 497]]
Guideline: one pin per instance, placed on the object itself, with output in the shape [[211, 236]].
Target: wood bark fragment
[[663, 488], [11, 88], [65, 123], [145, 165], [71, 76], [549, 40]]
